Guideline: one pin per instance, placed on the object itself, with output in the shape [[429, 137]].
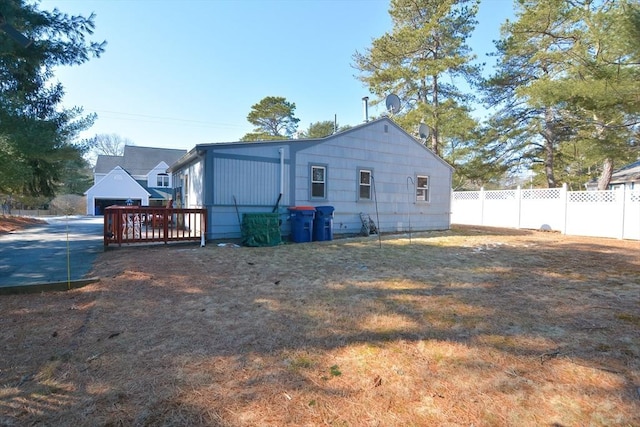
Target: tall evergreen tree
[[560, 66], [425, 60], [601, 88], [37, 137]]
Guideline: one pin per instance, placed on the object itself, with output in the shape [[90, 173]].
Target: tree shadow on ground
[[223, 332]]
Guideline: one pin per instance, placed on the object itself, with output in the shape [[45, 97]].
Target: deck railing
[[143, 224]]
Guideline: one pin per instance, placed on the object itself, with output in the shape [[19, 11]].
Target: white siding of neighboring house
[[152, 176], [98, 176], [117, 184], [189, 179]]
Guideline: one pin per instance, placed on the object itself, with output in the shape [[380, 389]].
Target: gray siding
[[394, 159], [243, 179], [252, 182], [250, 173]]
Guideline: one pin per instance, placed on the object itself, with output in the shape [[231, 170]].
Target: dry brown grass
[[466, 327]]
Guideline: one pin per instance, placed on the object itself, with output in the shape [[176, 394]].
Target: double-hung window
[[163, 180], [422, 188], [364, 187], [318, 182]]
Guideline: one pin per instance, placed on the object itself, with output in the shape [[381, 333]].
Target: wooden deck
[[143, 224]]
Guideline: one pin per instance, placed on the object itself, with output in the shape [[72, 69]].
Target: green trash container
[[261, 229]]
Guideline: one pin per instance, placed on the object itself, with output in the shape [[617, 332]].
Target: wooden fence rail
[[143, 224]]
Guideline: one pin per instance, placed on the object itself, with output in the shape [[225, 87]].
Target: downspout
[[281, 151]]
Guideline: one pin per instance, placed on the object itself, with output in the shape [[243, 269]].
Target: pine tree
[[566, 85], [424, 60], [37, 137], [274, 118]]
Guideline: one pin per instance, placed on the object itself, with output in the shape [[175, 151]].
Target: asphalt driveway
[[61, 250]]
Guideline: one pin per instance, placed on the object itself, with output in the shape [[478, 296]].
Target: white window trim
[[370, 198], [311, 182], [165, 180], [427, 194]]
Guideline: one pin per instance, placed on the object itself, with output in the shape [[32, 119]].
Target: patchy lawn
[[473, 326], [13, 223]]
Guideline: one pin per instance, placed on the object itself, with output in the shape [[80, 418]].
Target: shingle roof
[[629, 173], [138, 160], [105, 164]]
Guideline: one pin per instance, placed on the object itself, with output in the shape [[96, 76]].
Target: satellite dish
[[423, 131], [393, 103]]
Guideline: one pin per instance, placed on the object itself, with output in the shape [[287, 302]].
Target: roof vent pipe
[[365, 106]]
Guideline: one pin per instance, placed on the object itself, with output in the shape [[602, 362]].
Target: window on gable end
[[422, 188], [364, 185], [162, 180]]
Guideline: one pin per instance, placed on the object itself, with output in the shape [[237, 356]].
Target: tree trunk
[[605, 177], [549, 147], [435, 146]]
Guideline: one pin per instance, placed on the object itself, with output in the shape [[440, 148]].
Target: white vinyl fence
[[613, 213]]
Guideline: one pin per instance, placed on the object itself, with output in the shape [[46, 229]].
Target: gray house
[[375, 168]]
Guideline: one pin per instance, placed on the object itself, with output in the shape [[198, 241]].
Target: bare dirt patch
[[472, 326]]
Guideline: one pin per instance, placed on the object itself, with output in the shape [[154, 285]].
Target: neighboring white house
[[627, 177], [375, 168], [138, 177]]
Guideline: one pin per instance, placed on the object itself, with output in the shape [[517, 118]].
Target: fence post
[[519, 202], [622, 207], [564, 206], [481, 205], [166, 214]]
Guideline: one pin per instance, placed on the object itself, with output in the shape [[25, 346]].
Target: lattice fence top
[[592, 196], [500, 195], [466, 195], [610, 213], [541, 193], [607, 196]]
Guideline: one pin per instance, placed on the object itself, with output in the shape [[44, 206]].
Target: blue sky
[[180, 73]]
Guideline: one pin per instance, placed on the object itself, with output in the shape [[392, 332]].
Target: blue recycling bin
[[323, 223], [302, 223]]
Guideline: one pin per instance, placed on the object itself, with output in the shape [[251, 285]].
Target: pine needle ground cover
[[470, 326], [9, 224]]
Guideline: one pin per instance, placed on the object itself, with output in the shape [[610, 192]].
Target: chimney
[[365, 106]]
